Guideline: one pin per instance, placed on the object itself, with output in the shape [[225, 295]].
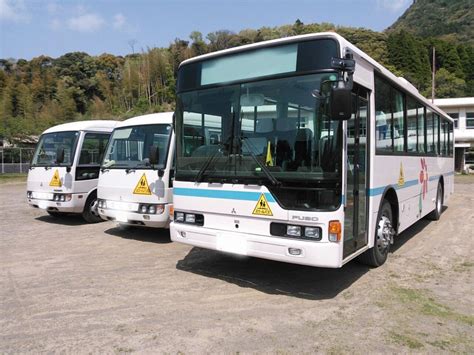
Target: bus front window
[[230, 132], [129, 146], [48, 146]]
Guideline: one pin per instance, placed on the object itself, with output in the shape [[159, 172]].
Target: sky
[[29, 28]]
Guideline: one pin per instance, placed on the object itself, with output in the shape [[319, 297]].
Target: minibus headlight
[[144, 209], [152, 209], [190, 218], [28, 194], [312, 232], [56, 198], [179, 216], [62, 198], [294, 231]]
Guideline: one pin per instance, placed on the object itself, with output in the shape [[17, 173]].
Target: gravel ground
[[66, 286]]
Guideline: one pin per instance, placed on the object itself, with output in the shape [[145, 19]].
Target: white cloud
[[119, 21], [393, 5], [86, 23], [14, 11]]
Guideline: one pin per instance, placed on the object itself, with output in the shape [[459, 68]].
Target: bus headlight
[[294, 231], [144, 209], [190, 218], [179, 216], [152, 209], [312, 233]]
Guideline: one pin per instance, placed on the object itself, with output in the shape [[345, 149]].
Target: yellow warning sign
[[56, 180], [142, 187], [401, 178], [262, 208]]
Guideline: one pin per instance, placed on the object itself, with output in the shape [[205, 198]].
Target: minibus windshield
[[48, 146], [129, 146]]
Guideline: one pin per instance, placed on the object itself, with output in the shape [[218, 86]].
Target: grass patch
[[405, 340], [428, 306], [4, 178]]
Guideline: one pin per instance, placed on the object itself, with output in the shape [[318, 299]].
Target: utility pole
[[433, 77]]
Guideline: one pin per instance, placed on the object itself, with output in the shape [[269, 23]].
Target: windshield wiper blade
[[266, 171], [207, 163]]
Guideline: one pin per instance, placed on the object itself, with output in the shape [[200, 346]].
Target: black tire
[[55, 214], [436, 213], [90, 213], [378, 254]]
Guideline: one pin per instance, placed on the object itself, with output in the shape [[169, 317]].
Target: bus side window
[[92, 152]]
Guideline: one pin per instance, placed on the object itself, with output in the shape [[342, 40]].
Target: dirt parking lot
[[67, 286]]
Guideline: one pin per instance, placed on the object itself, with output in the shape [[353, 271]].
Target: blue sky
[[29, 28]]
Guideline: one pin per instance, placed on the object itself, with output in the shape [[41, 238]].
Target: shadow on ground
[[142, 234], [66, 220], [281, 278]]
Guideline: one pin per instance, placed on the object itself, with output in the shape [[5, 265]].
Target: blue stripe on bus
[[379, 190], [223, 194]]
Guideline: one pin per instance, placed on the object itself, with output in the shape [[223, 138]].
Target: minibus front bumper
[[133, 218], [73, 203], [295, 251]]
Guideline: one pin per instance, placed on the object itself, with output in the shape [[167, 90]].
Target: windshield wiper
[[208, 162], [266, 171], [129, 170]]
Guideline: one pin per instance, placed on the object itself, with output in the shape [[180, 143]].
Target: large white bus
[[135, 183], [307, 151], [64, 170]]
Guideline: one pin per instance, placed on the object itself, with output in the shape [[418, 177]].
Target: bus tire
[[378, 254], [90, 213], [436, 213]]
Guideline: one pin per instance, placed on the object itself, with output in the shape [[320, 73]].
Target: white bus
[[318, 154], [64, 170], [135, 183]]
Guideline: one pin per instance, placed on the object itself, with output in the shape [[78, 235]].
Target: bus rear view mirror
[[60, 155], [341, 103], [154, 155]]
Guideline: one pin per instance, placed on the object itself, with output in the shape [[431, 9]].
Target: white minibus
[[135, 183], [64, 171]]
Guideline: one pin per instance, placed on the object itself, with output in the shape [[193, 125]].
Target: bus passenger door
[[355, 220]]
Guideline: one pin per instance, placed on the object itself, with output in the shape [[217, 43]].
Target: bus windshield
[[273, 132], [129, 146], [50, 143]]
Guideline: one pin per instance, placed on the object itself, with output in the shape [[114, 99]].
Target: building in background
[[462, 111]]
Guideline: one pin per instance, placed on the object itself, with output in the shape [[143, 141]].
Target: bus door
[[355, 217]]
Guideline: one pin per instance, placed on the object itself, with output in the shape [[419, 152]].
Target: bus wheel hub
[[385, 234]]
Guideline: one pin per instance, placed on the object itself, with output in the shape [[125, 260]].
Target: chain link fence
[[15, 160]]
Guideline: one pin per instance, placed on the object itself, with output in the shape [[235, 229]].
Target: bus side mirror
[[59, 155], [154, 155], [341, 102]]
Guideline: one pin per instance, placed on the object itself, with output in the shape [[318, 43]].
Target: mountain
[[450, 20]]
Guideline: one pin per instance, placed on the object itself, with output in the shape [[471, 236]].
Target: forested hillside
[[44, 91], [451, 20]]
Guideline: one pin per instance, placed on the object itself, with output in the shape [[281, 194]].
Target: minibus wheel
[[384, 233], [90, 213], [436, 213]]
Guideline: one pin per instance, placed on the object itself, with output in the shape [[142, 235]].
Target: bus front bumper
[[75, 205], [320, 254], [137, 219]]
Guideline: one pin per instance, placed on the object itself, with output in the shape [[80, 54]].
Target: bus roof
[[344, 45], [90, 125], [163, 117]]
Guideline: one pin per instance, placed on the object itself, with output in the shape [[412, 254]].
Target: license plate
[[231, 244], [122, 206], [42, 195], [121, 217]]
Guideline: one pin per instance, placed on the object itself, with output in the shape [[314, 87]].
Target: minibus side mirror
[[154, 155], [59, 156], [341, 102]]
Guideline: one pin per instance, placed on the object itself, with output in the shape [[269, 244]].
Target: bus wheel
[[90, 213], [436, 213], [384, 234]]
